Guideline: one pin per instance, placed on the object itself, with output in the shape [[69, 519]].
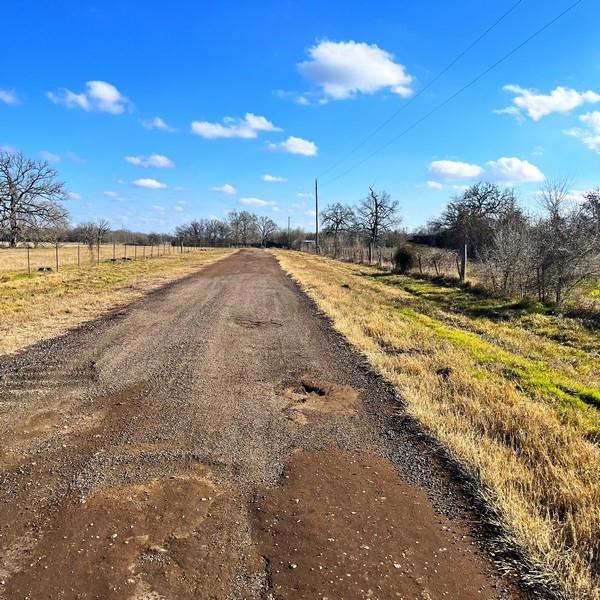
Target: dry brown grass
[[14, 260], [526, 440], [37, 308]]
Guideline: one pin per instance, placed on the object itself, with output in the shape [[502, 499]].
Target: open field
[[20, 260], [513, 394], [47, 304]]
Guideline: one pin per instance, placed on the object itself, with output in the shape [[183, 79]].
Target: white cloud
[[590, 136], [296, 145], [248, 127], [74, 195], [99, 96], [536, 105], [273, 179], [150, 183], [224, 189], [154, 160], [9, 97], [503, 170], [115, 196], [343, 69], [454, 169], [75, 158], [513, 170], [157, 123], [159, 208], [304, 195], [8, 148], [257, 202], [435, 185], [50, 157]]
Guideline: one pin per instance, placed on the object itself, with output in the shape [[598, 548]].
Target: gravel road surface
[[217, 440]]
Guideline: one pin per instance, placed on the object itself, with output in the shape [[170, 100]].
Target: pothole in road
[[319, 397], [249, 323]]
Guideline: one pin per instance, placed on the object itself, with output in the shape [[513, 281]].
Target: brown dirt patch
[[151, 540], [343, 525], [315, 396]]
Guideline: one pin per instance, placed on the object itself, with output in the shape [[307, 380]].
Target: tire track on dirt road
[[218, 440]]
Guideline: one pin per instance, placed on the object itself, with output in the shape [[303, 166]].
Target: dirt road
[[217, 440]]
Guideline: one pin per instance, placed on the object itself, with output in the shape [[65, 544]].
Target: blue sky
[[154, 113]]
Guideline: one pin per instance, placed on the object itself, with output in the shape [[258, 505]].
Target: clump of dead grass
[[529, 448]]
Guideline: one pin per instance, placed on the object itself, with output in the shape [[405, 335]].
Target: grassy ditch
[[48, 304], [511, 391]]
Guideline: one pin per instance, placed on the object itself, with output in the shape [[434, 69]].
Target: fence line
[[428, 261], [53, 258]]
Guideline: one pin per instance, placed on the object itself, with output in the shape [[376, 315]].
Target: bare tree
[[566, 249], [469, 218], [337, 219], [233, 218], [376, 214], [591, 209], [266, 228], [30, 195], [508, 256], [93, 234], [247, 227]]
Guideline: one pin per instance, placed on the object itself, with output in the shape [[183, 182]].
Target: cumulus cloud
[[536, 105], [505, 169], [9, 97], [513, 170], [154, 160], [295, 145], [273, 178], [344, 69], [157, 123], [74, 196], [150, 184], [99, 96], [50, 157], [589, 135], [248, 127], [454, 169], [256, 202], [224, 189]]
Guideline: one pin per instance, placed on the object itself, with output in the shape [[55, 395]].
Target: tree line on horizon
[[543, 254]]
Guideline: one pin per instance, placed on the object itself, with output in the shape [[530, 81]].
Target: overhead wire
[[457, 93], [422, 90]]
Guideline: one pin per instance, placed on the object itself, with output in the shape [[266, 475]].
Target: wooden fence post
[[56, 250]]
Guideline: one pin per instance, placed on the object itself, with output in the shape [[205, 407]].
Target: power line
[[458, 92], [423, 90]]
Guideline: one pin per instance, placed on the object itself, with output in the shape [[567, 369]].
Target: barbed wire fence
[[43, 258]]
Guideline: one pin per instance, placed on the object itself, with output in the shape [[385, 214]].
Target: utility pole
[[289, 239], [316, 217]]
